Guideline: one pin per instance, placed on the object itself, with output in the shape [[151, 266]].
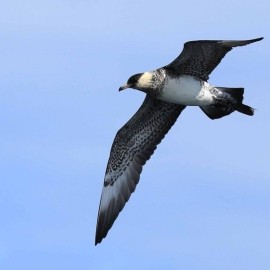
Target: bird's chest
[[185, 90]]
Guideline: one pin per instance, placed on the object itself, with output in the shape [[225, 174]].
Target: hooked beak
[[123, 87]]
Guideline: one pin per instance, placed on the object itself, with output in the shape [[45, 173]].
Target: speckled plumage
[[199, 58], [136, 141], [133, 145]]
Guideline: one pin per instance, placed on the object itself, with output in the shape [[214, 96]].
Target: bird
[[169, 90]]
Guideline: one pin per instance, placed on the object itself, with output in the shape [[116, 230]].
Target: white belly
[[186, 90]]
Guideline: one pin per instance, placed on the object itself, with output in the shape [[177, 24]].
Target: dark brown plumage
[[136, 141]]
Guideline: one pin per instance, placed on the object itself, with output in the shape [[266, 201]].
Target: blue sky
[[203, 199]]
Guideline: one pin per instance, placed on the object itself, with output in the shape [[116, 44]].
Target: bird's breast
[[184, 90]]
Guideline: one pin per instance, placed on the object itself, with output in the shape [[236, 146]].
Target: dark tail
[[227, 101], [245, 109]]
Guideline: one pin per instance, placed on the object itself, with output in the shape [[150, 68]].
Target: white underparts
[[186, 90]]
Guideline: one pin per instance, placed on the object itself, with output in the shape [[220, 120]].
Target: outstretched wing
[[200, 58], [133, 145]]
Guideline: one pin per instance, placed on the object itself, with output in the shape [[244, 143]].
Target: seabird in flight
[[168, 90]]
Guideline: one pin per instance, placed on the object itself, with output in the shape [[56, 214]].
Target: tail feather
[[236, 93], [245, 109], [226, 104]]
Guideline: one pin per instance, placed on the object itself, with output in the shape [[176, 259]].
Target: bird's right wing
[[133, 145]]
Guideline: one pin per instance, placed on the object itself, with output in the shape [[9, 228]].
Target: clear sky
[[203, 201]]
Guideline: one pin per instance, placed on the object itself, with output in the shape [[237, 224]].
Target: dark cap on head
[[132, 81]]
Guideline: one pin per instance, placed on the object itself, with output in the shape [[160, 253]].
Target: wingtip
[[237, 43], [97, 242], [99, 231], [98, 238], [253, 40], [257, 39], [100, 234]]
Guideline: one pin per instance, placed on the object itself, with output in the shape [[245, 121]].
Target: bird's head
[[140, 81]]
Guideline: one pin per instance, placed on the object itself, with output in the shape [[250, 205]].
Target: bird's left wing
[[133, 145], [199, 58]]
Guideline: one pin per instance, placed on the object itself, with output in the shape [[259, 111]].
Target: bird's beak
[[123, 87]]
